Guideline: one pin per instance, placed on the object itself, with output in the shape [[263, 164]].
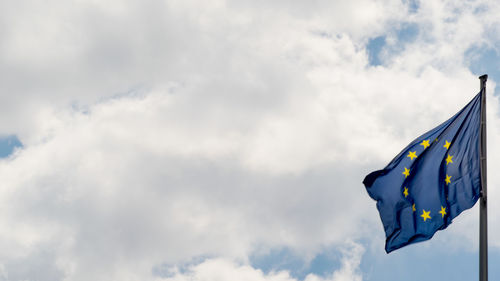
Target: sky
[[226, 140]]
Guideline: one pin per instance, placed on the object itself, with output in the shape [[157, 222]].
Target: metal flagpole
[[483, 211]]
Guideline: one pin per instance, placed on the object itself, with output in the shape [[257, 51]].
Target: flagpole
[[483, 211]]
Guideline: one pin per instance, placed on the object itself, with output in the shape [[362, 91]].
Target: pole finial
[[482, 81]]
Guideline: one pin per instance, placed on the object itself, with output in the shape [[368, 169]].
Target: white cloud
[[222, 270], [124, 182], [58, 53]]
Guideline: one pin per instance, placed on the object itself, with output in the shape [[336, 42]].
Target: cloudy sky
[[227, 140]]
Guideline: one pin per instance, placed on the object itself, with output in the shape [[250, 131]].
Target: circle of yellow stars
[[413, 155]]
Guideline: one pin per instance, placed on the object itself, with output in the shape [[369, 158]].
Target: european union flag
[[431, 181]]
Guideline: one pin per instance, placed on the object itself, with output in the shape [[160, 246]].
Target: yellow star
[[443, 211], [412, 154], [406, 172], [448, 179], [425, 215], [405, 192], [413, 208], [446, 144], [449, 159], [425, 143]]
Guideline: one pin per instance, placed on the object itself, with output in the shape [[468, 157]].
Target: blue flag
[[431, 181]]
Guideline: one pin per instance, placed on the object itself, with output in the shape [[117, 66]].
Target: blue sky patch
[[413, 6], [284, 259], [483, 61], [407, 33], [421, 262], [166, 270], [374, 48], [8, 144]]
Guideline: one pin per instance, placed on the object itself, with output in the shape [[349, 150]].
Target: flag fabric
[[431, 181]]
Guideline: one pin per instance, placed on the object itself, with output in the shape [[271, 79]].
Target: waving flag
[[431, 181]]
